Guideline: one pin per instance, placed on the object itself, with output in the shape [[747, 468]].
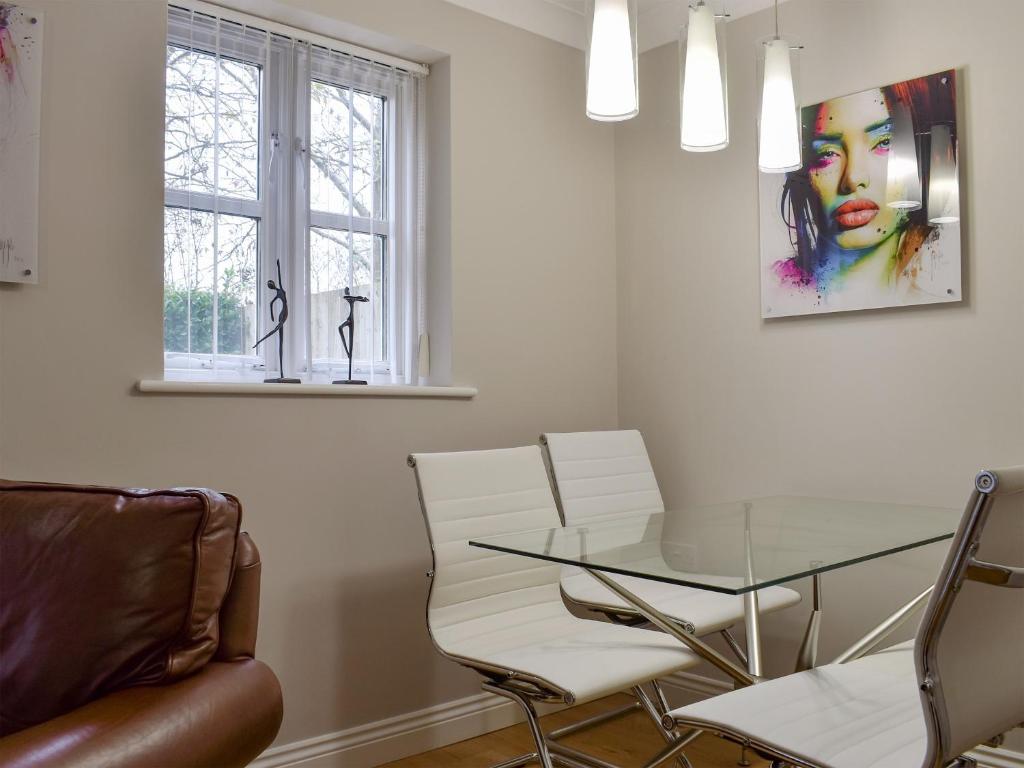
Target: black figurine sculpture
[[279, 295], [350, 325]]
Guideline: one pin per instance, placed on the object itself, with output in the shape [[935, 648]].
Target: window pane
[[212, 126], [346, 157], [367, 148], [329, 143], [331, 270], [197, 260]]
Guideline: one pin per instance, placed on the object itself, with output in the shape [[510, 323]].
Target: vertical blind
[[282, 149]]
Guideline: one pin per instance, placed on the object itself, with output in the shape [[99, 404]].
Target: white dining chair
[[922, 704], [503, 615], [604, 475]]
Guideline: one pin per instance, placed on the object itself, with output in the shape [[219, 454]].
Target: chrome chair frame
[[961, 565], [526, 690]]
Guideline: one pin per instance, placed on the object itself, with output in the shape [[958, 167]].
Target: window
[[292, 158]]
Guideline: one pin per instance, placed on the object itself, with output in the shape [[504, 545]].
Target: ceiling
[[562, 20]]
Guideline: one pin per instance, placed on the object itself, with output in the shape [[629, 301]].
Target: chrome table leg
[[734, 646], [667, 625], [751, 610], [807, 658], [752, 620], [877, 636]]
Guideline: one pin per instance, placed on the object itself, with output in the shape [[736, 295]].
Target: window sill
[[259, 389]]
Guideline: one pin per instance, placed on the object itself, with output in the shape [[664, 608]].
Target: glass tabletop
[[737, 547]]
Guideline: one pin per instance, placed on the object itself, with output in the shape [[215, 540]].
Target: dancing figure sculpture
[[350, 326], [282, 317]]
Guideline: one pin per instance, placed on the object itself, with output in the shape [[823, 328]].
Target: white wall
[[894, 405], [327, 493]]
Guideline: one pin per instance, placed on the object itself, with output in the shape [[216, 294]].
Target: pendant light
[[779, 145], [703, 90], [904, 174], [943, 186], [612, 89]]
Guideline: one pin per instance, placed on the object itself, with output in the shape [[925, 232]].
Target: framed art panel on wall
[[21, 76], [872, 217]]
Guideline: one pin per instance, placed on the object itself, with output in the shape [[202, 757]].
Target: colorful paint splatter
[[8, 50], [21, 37]]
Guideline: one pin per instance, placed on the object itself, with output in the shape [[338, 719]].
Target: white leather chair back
[[484, 493], [970, 647], [602, 474]]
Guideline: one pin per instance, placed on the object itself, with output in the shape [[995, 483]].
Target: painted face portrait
[[850, 150], [851, 228]]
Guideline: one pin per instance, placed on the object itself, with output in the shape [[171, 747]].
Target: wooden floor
[[627, 741]]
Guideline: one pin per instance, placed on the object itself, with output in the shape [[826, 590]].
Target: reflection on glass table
[[737, 549]]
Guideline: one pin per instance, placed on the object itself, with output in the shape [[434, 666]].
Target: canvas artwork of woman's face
[[871, 218]]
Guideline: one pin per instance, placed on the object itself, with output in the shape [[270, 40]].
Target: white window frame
[[283, 209]]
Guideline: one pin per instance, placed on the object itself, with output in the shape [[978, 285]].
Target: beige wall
[[891, 405], [327, 494], [899, 405]]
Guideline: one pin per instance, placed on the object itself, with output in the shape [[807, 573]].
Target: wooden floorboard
[[628, 741]]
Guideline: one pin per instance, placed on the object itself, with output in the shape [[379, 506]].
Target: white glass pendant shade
[[612, 89], [703, 94], [904, 172], [779, 147], [943, 186]]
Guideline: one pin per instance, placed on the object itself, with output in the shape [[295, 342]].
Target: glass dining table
[[737, 549]]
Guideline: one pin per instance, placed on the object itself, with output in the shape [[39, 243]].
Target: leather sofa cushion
[[103, 588]]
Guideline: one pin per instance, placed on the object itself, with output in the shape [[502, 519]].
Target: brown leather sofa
[[127, 630]]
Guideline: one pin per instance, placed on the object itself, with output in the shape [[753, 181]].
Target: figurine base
[[348, 381], [282, 381]]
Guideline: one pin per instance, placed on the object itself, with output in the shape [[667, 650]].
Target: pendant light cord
[[776, 19]]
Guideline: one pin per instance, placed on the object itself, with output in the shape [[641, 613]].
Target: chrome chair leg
[[675, 750], [518, 762], [561, 753], [542, 756], [670, 736], [662, 700], [591, 722]]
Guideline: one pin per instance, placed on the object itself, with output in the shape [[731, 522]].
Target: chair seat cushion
[[706, 611], [862, 714], [589, 659]]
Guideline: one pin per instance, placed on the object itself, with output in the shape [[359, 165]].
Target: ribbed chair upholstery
[[603, 475], [502, 614], [922, 704]]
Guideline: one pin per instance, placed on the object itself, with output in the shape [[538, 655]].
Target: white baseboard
[[365, 746], [369, 745]]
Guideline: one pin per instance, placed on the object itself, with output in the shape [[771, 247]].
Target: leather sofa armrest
[[240, 613], [221, 717]]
